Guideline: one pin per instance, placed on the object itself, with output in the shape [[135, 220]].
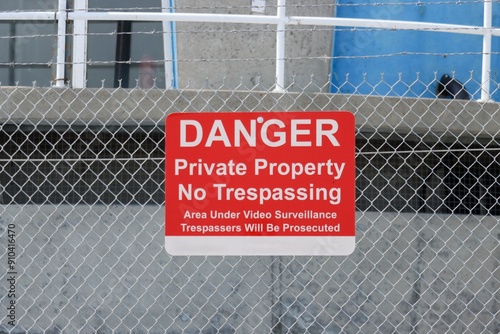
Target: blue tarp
[[409, 63]]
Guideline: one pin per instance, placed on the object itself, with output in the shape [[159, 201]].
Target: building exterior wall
[[207, 55], [240, 56], [104, 268]]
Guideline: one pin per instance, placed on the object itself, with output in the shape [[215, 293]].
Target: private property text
[[260, 167]]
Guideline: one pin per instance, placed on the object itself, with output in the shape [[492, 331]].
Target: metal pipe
[[31, 16], [12, 53], [79, 54], [169, 47], [61, 44], [256, 19], [280, 47], [291, 20], [390, 25], [184, 17], [486, 61]]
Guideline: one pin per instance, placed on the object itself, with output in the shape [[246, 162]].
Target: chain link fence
[[82, 179], [82, 221]]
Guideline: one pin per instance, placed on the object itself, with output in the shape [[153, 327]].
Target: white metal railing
[[81, 16]]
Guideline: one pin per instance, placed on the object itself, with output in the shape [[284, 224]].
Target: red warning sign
[[267, 183]]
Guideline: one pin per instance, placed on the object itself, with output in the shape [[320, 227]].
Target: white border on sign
[[260, 246]]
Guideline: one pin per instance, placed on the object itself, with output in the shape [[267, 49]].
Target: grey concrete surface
[[429, 119], [244, 55], [103, 269]]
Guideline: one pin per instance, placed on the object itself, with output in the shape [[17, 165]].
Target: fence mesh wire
[[82, 216], [82, 189]]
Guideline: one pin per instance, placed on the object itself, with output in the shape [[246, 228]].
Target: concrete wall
[[104, 268], [429, 119], [227, 56]]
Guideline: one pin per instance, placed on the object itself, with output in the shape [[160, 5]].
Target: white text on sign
[[273, 133], [261, 166]]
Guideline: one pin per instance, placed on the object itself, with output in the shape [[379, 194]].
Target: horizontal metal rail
[[251, 19]]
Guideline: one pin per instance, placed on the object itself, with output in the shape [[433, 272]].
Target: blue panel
[[407, 63]]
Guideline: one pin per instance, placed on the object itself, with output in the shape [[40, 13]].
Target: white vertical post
[[486, 61], [169, 47], [79, 69], [280, 47], [61, 43]]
